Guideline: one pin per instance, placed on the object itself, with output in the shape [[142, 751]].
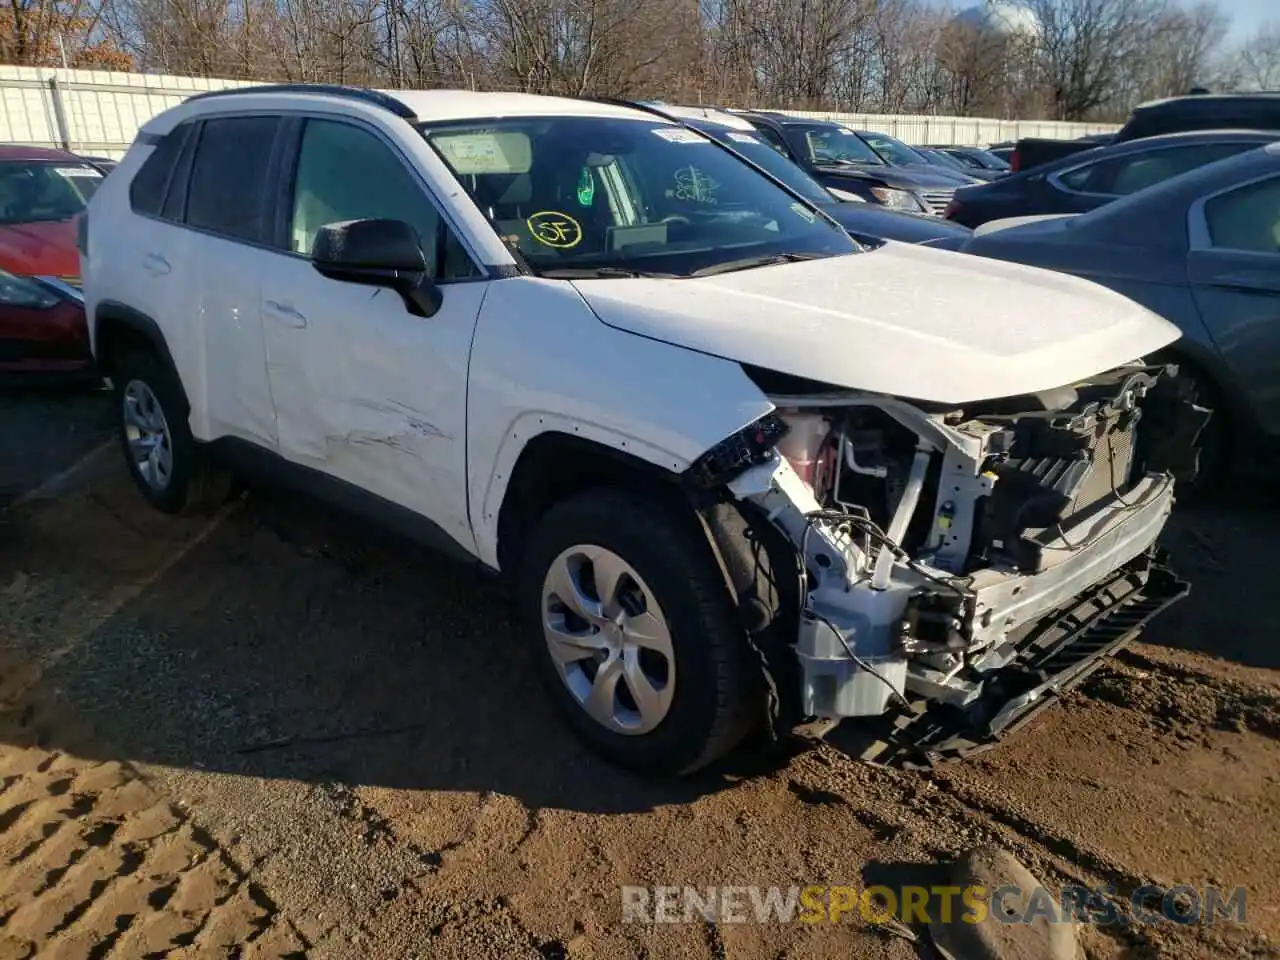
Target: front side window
[[228, 184], [1247, 218], [34, 191], [634, 195]]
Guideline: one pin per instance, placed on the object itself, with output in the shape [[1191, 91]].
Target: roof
[[17, 151], [433, 105], [710, 114], [1207, 99], [1195, 136]]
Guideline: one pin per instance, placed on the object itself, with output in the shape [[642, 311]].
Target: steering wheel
[[677, 218]]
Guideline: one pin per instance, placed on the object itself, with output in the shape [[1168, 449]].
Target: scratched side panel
[[371, 394]]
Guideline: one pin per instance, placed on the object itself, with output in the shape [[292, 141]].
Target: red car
[[43, 333]]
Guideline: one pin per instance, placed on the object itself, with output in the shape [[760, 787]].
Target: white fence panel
[[98, 112]]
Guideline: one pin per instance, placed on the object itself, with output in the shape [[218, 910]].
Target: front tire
[[166, 463], [634, 635]]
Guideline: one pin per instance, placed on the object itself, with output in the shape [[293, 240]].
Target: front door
[[365, 391]]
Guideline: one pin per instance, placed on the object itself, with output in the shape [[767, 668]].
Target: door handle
[[1259, 281], [155, 265], [286, 314]]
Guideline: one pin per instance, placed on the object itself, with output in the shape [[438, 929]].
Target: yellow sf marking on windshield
[[552, 228]]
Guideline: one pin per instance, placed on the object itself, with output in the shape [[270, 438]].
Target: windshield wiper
[[746, 263], [600, 273]]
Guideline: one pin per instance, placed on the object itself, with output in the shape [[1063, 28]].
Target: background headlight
[[897, 199], [845, 195], [25, 292]]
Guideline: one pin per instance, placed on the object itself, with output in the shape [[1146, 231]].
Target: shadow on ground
[[293, 644], [45, 430], [1223, 548]]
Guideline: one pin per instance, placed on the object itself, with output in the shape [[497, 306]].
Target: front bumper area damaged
[[964, 566]]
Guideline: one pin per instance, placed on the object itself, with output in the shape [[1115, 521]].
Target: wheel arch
[[562, 461], [1205, 366], [117, 327]]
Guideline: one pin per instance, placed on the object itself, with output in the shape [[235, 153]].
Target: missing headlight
[[732, 456]]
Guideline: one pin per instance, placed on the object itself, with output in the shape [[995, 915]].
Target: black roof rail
[[374, 97]]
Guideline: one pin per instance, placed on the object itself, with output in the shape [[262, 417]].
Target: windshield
[[617, 196], [32, 191], [827, 143], [894, 151], [768, 158]]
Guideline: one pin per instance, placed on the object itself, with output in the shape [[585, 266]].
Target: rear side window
[[228, 187], [1247, 218], [147, 191]]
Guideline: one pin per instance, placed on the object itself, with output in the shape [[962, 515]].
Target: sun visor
[[482, 153]]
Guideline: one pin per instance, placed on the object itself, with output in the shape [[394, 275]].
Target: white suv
[[735, 467]]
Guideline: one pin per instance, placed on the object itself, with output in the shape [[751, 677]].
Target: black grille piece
[[1055, 473]]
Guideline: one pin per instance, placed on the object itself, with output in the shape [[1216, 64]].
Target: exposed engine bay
[[938, 544]]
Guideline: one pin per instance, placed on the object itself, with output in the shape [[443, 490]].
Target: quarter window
[[228, 187], [346, 173], [1247, 218], [147, 191]]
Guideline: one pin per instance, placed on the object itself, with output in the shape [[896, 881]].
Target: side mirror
[[378, 253]]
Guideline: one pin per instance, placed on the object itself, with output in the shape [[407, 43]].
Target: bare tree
[[1259, 59]]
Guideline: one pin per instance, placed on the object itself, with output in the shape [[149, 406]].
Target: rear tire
[[644, 659], [171, 470]]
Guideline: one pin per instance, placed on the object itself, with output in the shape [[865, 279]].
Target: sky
[[1248, 15]]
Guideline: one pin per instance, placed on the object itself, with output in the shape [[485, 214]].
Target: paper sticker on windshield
[[804, 211], [486, 152], [680, 135], [743, 138], [551, 228], [77, 172]]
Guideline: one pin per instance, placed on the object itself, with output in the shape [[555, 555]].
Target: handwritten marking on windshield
[[551, 228], [694, 186]]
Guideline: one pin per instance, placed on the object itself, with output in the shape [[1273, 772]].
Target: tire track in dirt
[[95, 864]]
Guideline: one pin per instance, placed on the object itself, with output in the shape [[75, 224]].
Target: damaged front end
[[962, 566]]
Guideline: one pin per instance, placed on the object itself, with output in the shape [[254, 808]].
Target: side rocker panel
[[662, 403]]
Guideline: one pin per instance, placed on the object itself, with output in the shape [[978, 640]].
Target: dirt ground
[[271, 733]]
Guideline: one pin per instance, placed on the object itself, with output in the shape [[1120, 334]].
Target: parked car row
[[752, 432], [737, 468]]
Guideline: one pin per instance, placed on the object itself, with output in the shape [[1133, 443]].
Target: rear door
[[150, 264], [228, 215], [1234, 268]]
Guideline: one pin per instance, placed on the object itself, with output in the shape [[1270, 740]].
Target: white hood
[[902, 320]]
